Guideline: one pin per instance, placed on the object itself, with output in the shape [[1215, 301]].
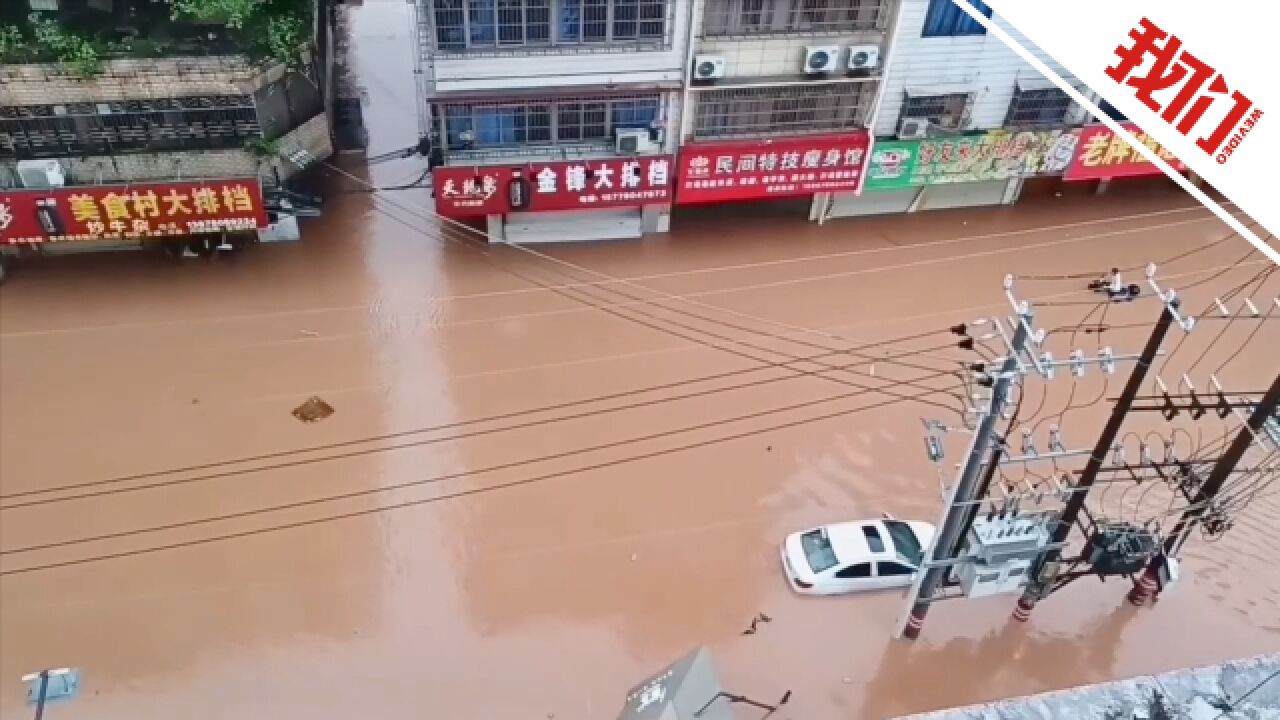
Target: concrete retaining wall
[[1216, 692]]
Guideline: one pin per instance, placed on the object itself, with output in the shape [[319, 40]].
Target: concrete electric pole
[[1202, 501], [1041, 580], [954, 519]]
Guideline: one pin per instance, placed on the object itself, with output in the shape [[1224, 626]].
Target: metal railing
[[509, 28], [794, 109], [754, 18]]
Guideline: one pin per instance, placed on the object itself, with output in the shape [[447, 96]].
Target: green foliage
[[70, 49], [262, 147], [12, 42], [282, 37], [232, 13], [265, 29]]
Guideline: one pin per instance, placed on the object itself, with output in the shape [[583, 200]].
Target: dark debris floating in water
[[313, 410]]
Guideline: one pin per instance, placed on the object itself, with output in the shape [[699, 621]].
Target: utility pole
[[1040, 580], [1147, 585], [956, 511]]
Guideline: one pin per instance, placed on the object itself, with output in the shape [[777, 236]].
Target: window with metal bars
[[946, 111], [543, 122], [154, 125], [491, 25], [730, 18], [1038, 108], [782, 109]]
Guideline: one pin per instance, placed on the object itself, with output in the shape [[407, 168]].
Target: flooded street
[[549, 473]]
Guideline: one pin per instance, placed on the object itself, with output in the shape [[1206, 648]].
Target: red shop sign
[[1101, 153], [130, 211], [467, 191], [771, 167]]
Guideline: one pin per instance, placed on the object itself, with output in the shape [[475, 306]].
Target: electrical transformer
[[1000, 553]]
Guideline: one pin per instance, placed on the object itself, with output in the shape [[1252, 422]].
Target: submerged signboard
[[771, 167], [473, 191], [136, 210]]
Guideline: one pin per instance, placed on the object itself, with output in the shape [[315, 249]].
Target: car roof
[[850, 545]]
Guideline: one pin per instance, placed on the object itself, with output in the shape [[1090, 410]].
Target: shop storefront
[[1103, 157], [770, 168], [199, 215], [560, 201], [964, 171]]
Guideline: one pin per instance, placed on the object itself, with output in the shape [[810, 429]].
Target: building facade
[[962, 120], [559, 120], [551, 119], [82, 157], [778, 95]]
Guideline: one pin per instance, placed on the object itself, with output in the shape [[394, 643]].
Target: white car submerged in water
[[855, 556]]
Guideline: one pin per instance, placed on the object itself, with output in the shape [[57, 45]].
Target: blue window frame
[[635, 113], [946, 19]]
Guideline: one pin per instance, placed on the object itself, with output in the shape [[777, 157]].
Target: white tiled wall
[[776, 56], [979, 64]]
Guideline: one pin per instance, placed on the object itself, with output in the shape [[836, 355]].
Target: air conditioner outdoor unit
[[913, 128], [633, 141], [708, 67], [864, 57], [41, 173], [820, 60], [43, 4]]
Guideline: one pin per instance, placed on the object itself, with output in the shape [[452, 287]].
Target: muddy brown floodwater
[[542, 495]]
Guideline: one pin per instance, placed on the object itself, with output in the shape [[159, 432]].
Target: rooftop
[[1247, 689]]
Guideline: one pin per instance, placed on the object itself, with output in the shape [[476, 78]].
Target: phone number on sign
[[222, 224]]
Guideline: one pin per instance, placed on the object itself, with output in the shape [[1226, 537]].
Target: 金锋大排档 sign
[[471, 191]]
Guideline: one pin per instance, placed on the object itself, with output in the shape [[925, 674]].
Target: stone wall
[[124, 79], [312, 138], [1246, 689]]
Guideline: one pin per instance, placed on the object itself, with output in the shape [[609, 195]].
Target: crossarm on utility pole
[[1071, 512]]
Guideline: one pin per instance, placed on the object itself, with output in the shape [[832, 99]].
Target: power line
[[477, 421], [445, 497], [703, 331], [446, 477], [421, 443]]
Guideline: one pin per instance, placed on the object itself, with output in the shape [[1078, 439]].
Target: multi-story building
[[550, 118], [178, 144], [778, 96], [962, 120], [851, 107]]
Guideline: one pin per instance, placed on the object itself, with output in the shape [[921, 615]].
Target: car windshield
[[905, 541], [818, 550]]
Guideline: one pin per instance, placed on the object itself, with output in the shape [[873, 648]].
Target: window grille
[[783, 109], [160, 124], [738, 18], [485, 26], [1034, 108], [481, 127], [947, 111]]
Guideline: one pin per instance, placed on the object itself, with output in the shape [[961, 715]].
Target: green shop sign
[[996, 155]]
